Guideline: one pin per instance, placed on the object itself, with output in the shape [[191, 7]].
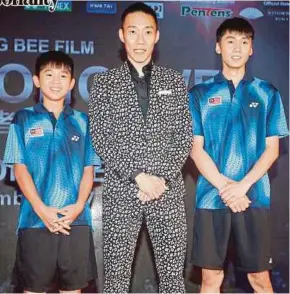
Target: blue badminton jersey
[[55, 153], [235, 123]]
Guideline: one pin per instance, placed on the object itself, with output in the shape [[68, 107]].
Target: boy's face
[[235, 49], [139, 35], [54, 82]]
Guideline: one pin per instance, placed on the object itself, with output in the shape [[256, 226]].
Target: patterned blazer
[[125, 141]]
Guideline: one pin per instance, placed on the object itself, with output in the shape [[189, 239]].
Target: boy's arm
[[205, 164], [47, 214], [263, 164], [72, 211]]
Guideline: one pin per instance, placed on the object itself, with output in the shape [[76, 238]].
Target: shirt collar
[[221, 78], [146, 69], [40, 108]]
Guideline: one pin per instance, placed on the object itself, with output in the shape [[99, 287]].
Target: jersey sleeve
[[91, 157], [276, 119], [15, 150], [194, 106]]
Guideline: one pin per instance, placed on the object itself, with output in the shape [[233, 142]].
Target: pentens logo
[[203, 11], [50, 4], [157, 7], [75, 138], [251, 13], [100, 7], [254, 104]]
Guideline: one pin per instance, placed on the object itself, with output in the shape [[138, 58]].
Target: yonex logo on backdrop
[[16, 3], [75, 138], [254, 104], [62, 6]]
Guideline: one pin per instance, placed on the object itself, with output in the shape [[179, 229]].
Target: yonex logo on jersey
[[75, 138], [253, 104], [270, 260], [36, 132], [215, 101]]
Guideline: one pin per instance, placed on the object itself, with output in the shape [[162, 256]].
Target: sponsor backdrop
[[88, 32]]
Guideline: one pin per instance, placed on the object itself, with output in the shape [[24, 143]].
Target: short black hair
[[139, 7], [236, 24], [56, 58]]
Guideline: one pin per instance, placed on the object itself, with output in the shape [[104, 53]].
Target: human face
[[139, 35], [235, 49], [54, 82]]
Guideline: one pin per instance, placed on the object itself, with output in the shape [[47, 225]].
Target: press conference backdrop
[[88, 32]]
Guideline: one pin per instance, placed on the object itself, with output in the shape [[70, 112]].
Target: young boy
[[238, 120], [50, 148]]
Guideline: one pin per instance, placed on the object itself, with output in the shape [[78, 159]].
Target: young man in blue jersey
[[238, 120], [50, 148]]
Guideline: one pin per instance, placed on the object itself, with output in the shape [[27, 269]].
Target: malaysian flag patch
[[215, 101], [36, 132]]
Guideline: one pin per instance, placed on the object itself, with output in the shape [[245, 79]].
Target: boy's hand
[[239, 205], [70, 212], [234, 190], [50, 218]]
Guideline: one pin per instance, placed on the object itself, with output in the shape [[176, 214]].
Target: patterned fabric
[[119, 133], [55, 157], [166, 223], [158, 146], [235, 124]]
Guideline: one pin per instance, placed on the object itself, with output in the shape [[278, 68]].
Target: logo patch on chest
[[75, 138], [254, 104], [213, 101], [36, 132], [164, 92]]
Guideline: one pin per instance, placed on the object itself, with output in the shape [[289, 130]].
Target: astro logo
[[157, 7], [251, 13], [203, 11]]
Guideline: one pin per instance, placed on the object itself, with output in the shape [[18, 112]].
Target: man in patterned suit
[[141, 127]]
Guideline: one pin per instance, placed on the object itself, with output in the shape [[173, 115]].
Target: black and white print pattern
[[159, 146]]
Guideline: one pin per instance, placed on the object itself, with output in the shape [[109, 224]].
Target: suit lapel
[[128, 92], [155, 86]]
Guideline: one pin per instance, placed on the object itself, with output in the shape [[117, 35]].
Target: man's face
[[139, 35], [54, 82], [235, 49]]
